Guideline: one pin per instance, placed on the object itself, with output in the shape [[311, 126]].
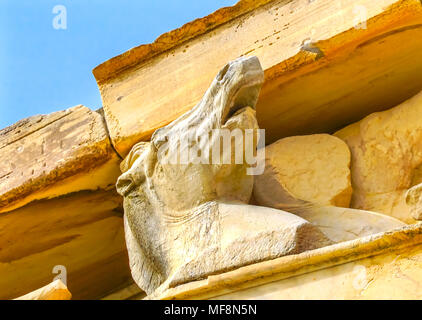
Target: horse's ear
[[142, 268]]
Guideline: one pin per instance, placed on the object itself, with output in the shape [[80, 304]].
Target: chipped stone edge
[[56, 290], [85, 160], [174, 38]]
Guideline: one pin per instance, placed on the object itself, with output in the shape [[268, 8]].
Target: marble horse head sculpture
[[185, 220]]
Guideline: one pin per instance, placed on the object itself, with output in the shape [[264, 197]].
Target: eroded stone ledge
[[317, 64], [69, 150]]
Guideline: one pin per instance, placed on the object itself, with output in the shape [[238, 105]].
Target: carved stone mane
[[185, 221]]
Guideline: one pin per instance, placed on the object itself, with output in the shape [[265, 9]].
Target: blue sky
[[44, 70]]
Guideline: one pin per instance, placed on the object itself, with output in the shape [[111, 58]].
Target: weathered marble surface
[[386, 152], [385, 265], [184, 222], [390, 276], [343, 224], [82, 231], [414, 201], [385, 65], [314, 168], [321, 73], [310, 177], [59, 207], [47, 156], [56, 290]]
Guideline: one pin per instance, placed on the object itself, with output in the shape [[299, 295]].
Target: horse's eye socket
[[125, 184]]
